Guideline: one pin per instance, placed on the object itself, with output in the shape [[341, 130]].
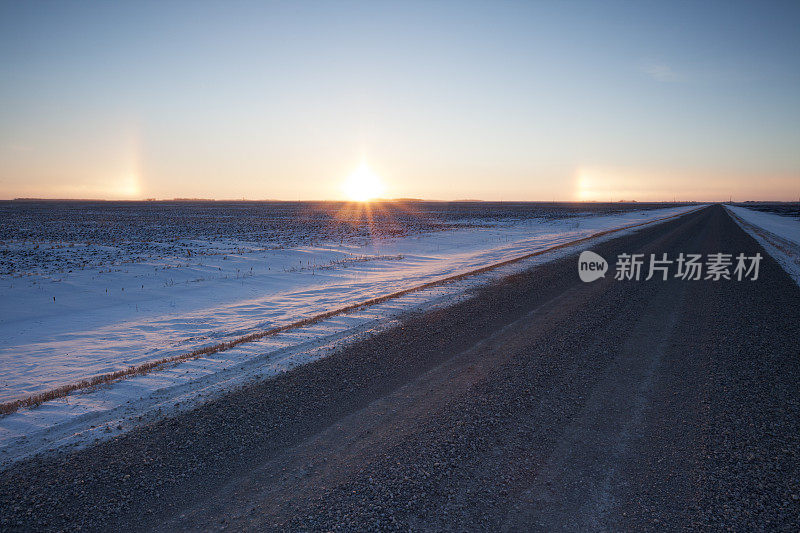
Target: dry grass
[[60, 392]]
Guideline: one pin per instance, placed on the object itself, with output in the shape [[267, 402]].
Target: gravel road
[[543, 403]]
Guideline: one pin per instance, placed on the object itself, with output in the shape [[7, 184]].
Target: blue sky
[[445, 100]]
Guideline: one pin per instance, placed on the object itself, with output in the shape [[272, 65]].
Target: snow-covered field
[[62, 325], [778, 234]]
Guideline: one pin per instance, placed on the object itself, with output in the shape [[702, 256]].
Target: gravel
[[542, 403]]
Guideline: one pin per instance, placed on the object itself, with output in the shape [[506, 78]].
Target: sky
[[440, 100]]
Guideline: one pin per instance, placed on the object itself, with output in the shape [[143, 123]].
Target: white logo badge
[[591, 266]]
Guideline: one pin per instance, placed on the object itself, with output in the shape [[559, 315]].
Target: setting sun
[[363, 185]]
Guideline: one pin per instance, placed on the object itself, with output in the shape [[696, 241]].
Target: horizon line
[[378, 200]]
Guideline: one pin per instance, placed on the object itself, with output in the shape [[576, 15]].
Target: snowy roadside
[[779, 235], [107, 411]]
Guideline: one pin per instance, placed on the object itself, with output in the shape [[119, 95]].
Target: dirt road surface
[[544, 403]]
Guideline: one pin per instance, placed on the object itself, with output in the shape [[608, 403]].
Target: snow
[[779, 235], [106, 319]]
